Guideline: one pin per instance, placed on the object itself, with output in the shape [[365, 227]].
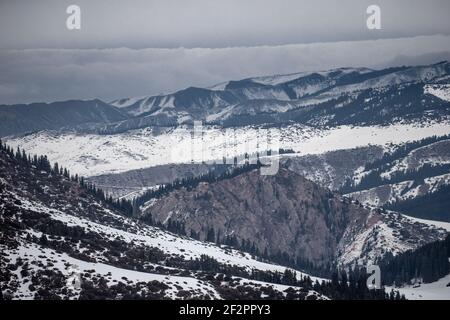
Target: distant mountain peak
[[331, 97]]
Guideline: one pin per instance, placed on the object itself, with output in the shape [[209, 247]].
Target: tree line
[[426, 264], [403, 150], [432, 205], [375, 168], [344, 285]]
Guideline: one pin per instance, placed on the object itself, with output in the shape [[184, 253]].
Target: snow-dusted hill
[[388, 193], [58, 240], [408, 172], [69, 244], [394, 234], [411, 177], [438, 290], [287, 215]]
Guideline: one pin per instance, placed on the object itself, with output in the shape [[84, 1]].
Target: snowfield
[[92, 154], [439, 290], [27, 258]]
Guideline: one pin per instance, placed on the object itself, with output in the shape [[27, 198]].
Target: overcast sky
[[140, 47], [212, 23]]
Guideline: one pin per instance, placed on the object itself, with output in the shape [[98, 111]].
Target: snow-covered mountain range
[[344, 96], [339, 96], [363, 150]]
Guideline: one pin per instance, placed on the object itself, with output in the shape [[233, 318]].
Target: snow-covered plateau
[[94, 154]]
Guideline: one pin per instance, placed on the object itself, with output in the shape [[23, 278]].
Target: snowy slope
[[386, 235], [422, 170], [432, 154], [37, 258], [404, 190], [91, 154], [48, 237], [439, 290], [155, 237], [438, 224], [41, 258]]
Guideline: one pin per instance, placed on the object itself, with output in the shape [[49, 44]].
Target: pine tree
[[56, 168], [210, 237]]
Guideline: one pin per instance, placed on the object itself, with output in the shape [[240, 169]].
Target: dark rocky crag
[[283, 214]]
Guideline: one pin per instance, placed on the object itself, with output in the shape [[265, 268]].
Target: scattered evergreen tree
[[42, 164], [434, 206]]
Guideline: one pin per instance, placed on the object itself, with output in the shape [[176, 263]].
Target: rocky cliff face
[[289, 215]]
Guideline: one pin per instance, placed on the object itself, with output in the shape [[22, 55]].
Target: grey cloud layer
[[51, 74], [212, 23]]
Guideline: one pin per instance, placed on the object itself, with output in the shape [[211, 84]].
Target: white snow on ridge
[[378, 196], [126, 102], [266, 80], [273, 80], [391, 193], [442, 91], [419, 157], [279, 79]]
